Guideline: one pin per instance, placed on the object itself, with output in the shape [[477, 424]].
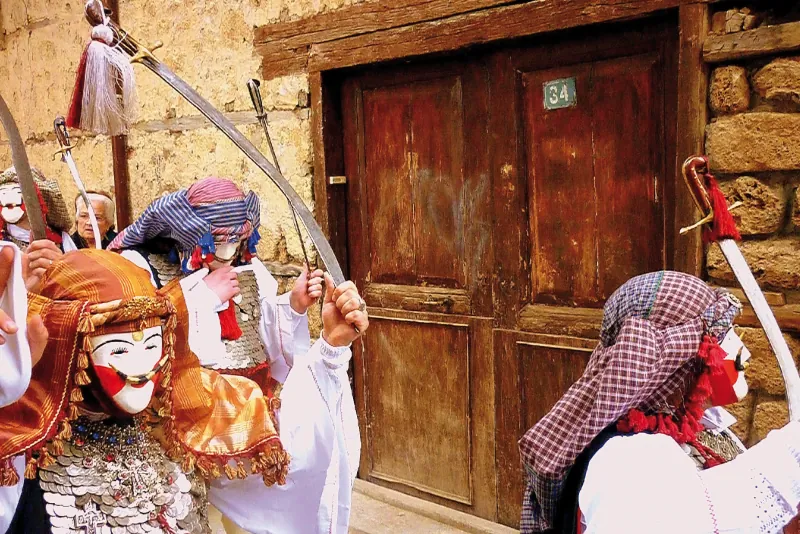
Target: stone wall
[[753, 142], [210, 45]]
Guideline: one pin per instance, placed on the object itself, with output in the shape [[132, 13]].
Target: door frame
[[691, 111]]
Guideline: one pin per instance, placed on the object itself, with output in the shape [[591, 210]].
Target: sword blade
[[225, 126], [19, 157], [764, 313], [73, 170]]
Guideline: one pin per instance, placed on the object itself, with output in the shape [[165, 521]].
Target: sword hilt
[[695, 169], [254, 88]]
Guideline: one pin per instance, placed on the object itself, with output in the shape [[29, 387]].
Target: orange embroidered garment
[[204, 419]]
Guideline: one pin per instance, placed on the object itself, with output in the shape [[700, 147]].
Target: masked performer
[[238, 323], [16, 227], [629, 447], [121, 428]]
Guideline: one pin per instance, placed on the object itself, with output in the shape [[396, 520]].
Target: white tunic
[[647, 483]]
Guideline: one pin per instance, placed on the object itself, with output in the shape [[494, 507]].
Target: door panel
[[418, 210]]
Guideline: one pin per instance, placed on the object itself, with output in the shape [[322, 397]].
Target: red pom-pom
[[229, 324], [723, 227], [196, 261]]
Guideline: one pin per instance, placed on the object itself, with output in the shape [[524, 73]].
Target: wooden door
[[584, 167], [419, 224]]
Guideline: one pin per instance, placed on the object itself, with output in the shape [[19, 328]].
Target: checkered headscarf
[[212, 207], [652, 328]]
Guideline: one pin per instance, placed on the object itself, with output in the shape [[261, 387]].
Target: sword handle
[[254, 87], [62, 134]]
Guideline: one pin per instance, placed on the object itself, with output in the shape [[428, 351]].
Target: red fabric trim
[[723, 227], [228, 323], [579, 523], [76, 103]]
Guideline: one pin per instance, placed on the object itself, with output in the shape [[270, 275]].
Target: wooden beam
[[694, 21], [777, 39], [119, 154], [474, 28]]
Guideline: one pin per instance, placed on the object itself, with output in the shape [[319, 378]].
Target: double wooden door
[[494, 203]]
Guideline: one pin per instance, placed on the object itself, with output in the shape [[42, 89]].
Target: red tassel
[[723, 227], [76, 104], [229, 324], [196, 260]]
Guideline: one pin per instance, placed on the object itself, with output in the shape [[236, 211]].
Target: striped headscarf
[[209, 421], [213, 208], [651, 346]]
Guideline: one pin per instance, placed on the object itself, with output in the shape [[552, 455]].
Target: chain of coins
[[248, 351], [721, 443], [116, 479], [166, 270]]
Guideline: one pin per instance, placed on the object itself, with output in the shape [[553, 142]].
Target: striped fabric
[[651, 331], [212, 206]]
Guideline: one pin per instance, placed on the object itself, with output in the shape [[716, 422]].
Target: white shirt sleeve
[[284, 332], [648, 483], [314, 431], [15, 354]]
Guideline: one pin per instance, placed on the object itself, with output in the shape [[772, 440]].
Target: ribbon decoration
[[97, 15], [19, 158], [710, 200]]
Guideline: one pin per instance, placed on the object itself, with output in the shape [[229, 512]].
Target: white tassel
[[109, 92]]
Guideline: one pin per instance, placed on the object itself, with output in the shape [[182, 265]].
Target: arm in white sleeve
[[311, 431], [10, 495], [284, 332], [15, 353], [205, 332], [647, 482]]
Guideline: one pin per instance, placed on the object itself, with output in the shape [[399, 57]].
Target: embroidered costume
[[626, 448], [256, 334], [54, 210], [120, 428]]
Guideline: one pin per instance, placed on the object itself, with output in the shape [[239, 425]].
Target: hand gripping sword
[[711, 203], [96, 15], [62, 134], [19, 158]]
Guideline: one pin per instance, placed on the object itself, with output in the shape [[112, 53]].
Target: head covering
[[53, 205], [206, 419], [194, 217], [655, 337]]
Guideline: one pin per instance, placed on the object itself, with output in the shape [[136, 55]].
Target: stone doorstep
[[398, 513]]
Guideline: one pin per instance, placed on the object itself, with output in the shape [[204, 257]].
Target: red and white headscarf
[[658, 342]]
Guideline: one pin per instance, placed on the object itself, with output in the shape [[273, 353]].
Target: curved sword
[[96, 15], [695, 172], [19, 157]]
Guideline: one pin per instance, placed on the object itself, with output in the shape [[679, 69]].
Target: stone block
[[730, 90], [796, 208], [763, 374], [768, 416], [764, 206], [748, 142], [779, 80], [734, 21], [774, 262], [743, 412]]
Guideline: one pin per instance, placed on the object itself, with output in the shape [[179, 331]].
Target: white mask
[[126, 364], [11, 201], [738, 353], [224, 254]]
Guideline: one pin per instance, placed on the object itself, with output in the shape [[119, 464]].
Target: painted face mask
[[128, 366], [735, 363], [224, 254], [11, 202]]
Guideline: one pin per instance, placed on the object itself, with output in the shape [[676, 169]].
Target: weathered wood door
[[419, 224], [489, 218], [586, 163]]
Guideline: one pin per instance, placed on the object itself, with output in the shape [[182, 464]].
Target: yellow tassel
[[230, 472], [165, 380], [73, 410], [83, 360], [188, 463], [45, 460], [81, 378], [57, 446], [75, 396], [241, 472], [214, 470], [30, 469], [10, 477], [65, 432]]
